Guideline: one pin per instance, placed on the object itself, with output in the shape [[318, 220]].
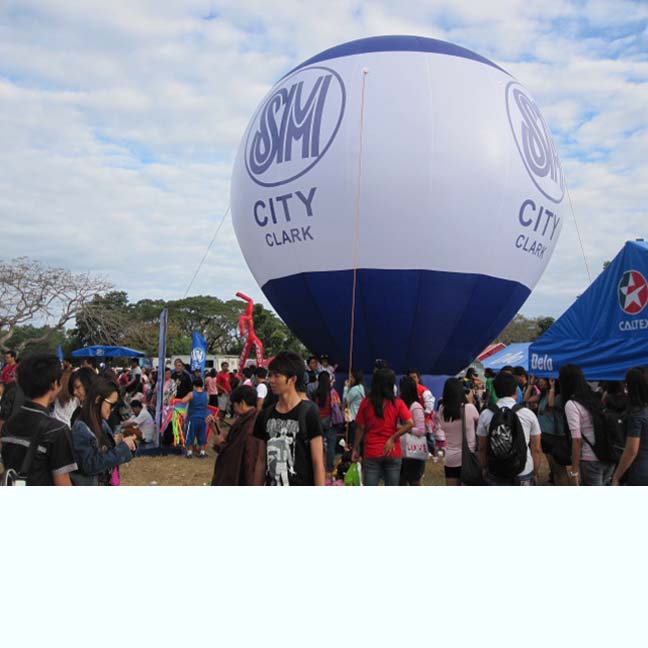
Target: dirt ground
[[176, 470]]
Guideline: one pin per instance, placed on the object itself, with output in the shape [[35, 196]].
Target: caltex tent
[[101, 351], [605, 332], [516, 355]]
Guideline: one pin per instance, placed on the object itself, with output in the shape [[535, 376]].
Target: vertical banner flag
[[160, 379], [198, 352], [59, 353]]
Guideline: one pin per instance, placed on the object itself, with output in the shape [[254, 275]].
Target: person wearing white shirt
[[505, 384], [261, 386], [142, 420]]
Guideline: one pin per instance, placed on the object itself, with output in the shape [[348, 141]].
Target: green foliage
[[47, 340], [111, 319], [523, 329], [274, 334]]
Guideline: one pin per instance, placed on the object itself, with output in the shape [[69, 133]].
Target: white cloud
[[120, 122]]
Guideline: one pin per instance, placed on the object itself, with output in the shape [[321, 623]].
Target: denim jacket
[[95, 465]]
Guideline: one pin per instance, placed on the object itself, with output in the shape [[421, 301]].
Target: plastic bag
[[353, 476]]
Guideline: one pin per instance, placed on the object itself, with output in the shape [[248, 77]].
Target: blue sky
[[120, 122]]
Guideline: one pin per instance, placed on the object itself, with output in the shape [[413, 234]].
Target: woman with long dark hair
[[551, 418], [580, 402], [450, 421], [633, 465], [81, 381], [412, 470], [378, 423], [324, 397], [97, 451]]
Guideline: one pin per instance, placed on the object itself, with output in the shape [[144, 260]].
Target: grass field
[[176, 470]]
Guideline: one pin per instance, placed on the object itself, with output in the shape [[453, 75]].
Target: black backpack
[[507, 445], [609, 434]]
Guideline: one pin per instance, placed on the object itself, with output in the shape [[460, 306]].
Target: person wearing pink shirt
[[449, 420], [580, 402], [412, 470], [211, 387]]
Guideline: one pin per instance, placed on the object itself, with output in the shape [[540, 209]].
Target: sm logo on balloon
[[534, 142], [295, 126]]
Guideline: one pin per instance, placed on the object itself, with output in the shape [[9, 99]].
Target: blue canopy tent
[[516, 355], [605, 331], [101, 351]]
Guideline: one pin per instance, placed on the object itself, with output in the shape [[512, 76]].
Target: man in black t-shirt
[[183, 379], [292, 450], [39, 377]]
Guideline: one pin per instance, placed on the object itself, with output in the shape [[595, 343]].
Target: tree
[[544, 323], [111, 319], [213, 318], [274, 334], [103, 320], [33, 293], [31, 339]]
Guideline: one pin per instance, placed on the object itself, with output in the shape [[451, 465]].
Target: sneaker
[[202, 455], [189, 454]]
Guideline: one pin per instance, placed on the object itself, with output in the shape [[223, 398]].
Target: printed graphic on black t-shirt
[[282, 444], [289, 460]]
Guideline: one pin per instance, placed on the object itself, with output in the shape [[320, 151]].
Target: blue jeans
[[596, 473], [328, 433], [387, 468], [520, 480]]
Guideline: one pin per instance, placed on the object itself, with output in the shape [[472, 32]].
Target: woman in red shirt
[[378, 423]]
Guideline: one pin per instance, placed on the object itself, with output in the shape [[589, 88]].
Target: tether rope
[[357, 222], [207, 252], [580, 242]]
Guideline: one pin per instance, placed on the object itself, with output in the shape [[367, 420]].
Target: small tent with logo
[[515, 355], [605, 331]]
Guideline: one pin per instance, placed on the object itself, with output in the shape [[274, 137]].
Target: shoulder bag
[[471, 471], [19, 478]]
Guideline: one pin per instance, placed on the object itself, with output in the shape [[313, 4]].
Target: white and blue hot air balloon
[[445, 164]]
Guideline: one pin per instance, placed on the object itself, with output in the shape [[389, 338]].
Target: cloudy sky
[[120, 122]]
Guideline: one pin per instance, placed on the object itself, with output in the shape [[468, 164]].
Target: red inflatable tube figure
[[246, 329]]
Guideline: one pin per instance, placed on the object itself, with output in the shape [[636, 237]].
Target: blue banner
[[159, 387], [59, 353], [198, 352]]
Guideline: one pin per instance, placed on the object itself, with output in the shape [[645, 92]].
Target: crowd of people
[[288, 424]]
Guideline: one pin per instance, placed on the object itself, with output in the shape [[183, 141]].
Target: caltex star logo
[[633, 292]]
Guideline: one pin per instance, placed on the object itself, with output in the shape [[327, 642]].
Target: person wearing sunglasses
[[98, 452]]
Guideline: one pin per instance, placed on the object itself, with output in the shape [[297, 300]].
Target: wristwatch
[[573, 474]]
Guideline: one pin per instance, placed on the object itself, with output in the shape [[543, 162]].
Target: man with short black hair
[[39, 377], [224, 389], [10, 368], [134, 377], [506, 388], [141, 422], [182, 378], [292, 452]]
